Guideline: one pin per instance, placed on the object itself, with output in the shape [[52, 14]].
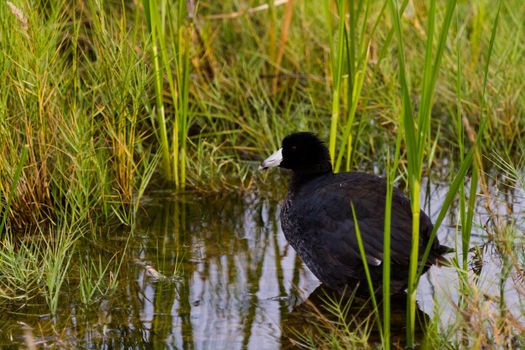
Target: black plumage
[[317, 219]]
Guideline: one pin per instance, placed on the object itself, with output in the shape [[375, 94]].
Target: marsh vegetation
[[131, 210]]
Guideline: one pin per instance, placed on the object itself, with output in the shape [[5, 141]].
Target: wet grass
[[102, 101]]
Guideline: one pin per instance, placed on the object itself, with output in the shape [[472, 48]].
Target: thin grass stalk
[[386, 258], [14, 183], [364, 44], [174, 156], [347, 136], [414, 255], [385, 46], [357, 63], [416, 136], [460, 134], [411, 150], [425, 109], [367, 272], [150, 7], [176, 120], [483, 117], [449, 199], [161, 32], [329, 31], [350, 46], [184, 108], [349, 37], [390, 178], [336, 77], [469, 218], [472, 153], [355, 80], [57, 257], [182, 67], [433, 71], [91, 278]]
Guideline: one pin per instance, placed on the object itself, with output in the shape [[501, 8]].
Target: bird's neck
[[299, 179]]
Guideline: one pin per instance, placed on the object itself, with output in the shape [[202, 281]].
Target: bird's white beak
[[272, 161]]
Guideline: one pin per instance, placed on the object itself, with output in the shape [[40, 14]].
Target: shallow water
[[217, 273]]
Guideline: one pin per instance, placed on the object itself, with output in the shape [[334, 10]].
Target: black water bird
[[317, 219]]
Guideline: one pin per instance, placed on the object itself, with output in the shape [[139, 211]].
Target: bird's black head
[[303, 153]]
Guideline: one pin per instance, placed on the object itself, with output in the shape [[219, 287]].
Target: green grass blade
[[155, 27], [391, 175], [367, 272], [474, 151], [337, 77], [14, 183], [431, 74]]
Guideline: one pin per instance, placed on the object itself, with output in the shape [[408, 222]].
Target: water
[[217, 273]]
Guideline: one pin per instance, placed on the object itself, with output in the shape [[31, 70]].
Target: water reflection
[[238, 279], [231, 281]]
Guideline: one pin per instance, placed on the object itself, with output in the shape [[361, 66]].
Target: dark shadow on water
[[314, 318]]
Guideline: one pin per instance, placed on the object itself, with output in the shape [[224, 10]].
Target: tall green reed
[[349, 62], [390, 183], [416, 131], [353, 50], [471, 159], [167, 26], [371, 287], [337, 72], [467, 204], [466, 211]]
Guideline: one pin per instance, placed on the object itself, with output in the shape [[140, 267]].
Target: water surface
[[215, 272]]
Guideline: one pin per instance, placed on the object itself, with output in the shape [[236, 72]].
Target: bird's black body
[[318, 222]]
